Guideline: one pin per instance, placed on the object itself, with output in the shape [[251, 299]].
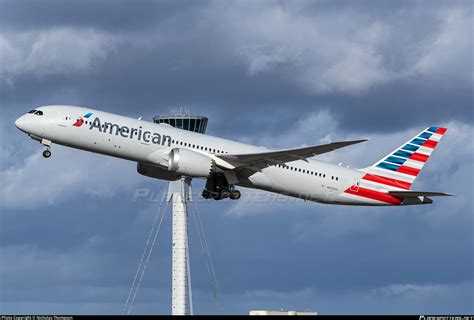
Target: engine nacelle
[[156, 172], [189, 163]]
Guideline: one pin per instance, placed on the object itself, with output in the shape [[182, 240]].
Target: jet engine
[[190, 163]]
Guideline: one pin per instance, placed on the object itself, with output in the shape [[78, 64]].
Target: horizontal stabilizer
[[409, 194]]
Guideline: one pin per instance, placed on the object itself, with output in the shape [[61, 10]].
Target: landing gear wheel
[[206, 194], [225, 194], [235, 195], [46, 153]]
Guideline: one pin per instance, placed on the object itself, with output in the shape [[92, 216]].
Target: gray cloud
[[271, 56]]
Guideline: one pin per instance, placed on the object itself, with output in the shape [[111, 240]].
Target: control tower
[[179, 192], [183, 120]]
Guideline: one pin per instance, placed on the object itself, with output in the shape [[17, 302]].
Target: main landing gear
[[218, 188]]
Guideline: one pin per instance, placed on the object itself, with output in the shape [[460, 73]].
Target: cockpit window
[[32, 111], [39, 113]]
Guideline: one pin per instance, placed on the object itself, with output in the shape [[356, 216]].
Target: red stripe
[[375, 195], [387, 181], [408, 170], [419, 157], [430, 143], [441, 130]]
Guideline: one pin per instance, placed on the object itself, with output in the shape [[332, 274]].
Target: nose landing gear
[[47, 144]]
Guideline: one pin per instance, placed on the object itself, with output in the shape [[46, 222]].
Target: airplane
[[168, 153]]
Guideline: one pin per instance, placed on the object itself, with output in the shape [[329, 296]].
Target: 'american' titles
[[131, 133]]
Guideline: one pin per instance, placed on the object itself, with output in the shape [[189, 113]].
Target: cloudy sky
[[273, 73]]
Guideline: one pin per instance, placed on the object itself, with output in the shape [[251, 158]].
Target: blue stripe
[[403, 154], [396, 160], [433, 129], [388, 166], [417, 141], [88, 115], [425, 135], [410, 147]]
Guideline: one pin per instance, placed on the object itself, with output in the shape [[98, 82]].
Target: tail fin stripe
[[408, 170], [419, 157], [395, 160], [387, 181], [418, 141], [425, 150], [391, 174], [430, 144], [433, 129], [388, 166], [436, 137], [414, 164], [410, 147], [441, 131], [403, 154], [425, 135]]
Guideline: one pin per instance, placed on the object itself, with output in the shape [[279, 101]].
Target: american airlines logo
[[132, 133], [80, 121]]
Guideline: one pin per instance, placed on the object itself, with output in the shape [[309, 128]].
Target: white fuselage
[[149, 143]]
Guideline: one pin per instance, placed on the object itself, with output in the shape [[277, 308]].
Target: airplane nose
[[20, 123]]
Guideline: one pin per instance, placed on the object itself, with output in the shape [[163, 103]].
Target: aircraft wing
[[409, 194], [283, 156]]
